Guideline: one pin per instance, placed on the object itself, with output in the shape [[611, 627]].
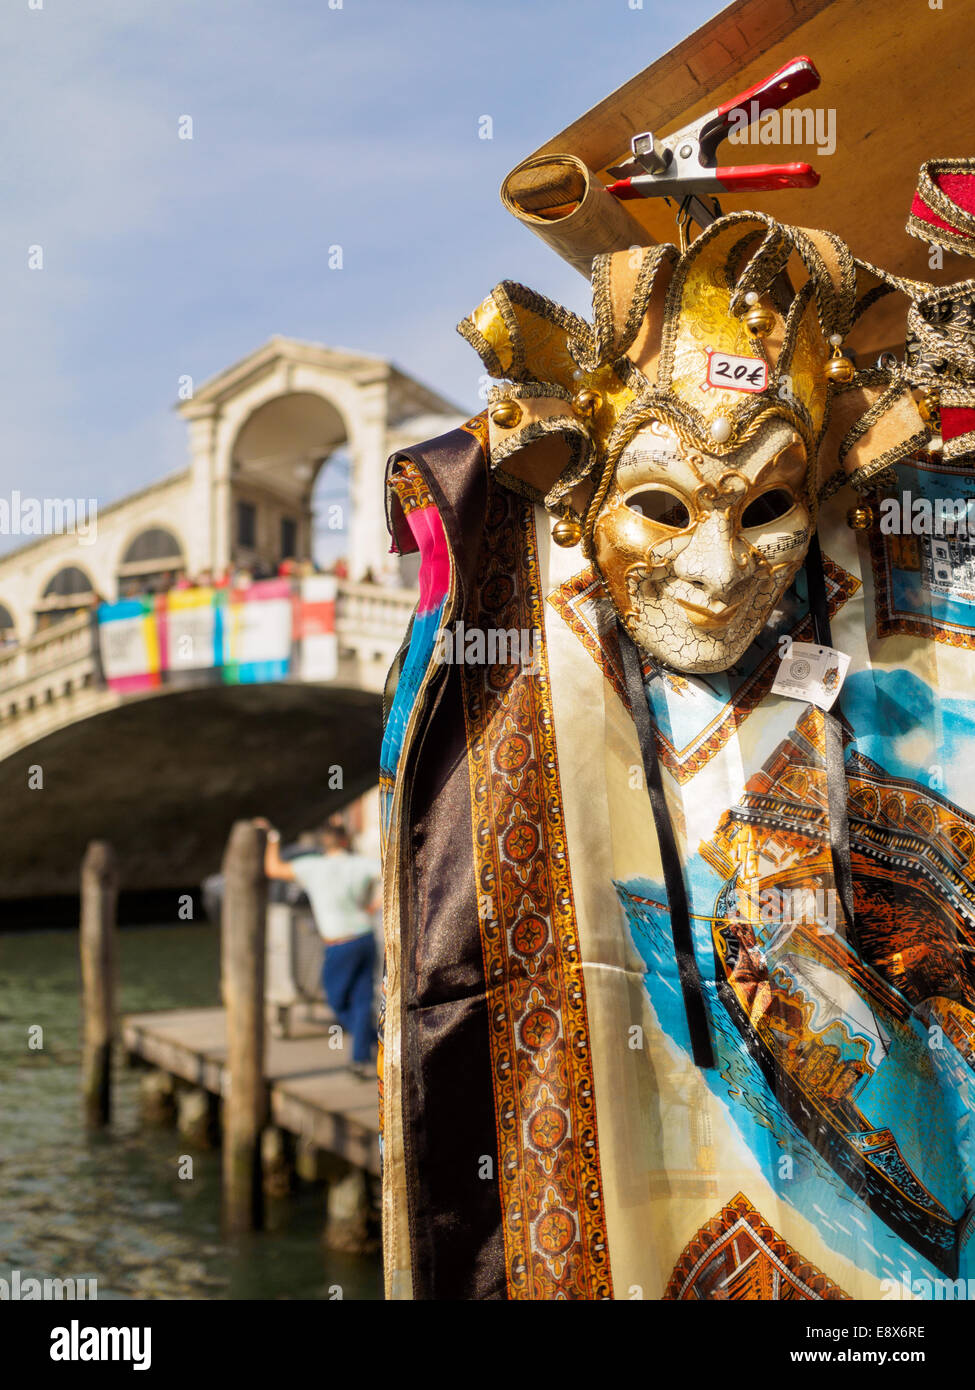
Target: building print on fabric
[[949, 569], [934, 537], [866, 1049], [923, 559], [738, 1256]]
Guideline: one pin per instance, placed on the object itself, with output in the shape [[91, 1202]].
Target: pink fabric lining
[[434, 577]]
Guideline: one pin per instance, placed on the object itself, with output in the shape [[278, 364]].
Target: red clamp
[[683, 164]]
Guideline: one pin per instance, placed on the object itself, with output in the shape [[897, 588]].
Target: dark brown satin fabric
[[450, 1133], [456, 472]]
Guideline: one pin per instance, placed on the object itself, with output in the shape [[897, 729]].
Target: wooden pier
[[280, 1107], [312, 1094]]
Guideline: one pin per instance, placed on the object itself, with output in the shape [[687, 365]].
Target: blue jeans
[[347, 982]]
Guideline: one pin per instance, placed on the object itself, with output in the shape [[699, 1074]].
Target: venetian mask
[[683, 439], [697, 550]]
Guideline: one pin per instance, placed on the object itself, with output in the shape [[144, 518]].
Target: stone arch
[[312, 402], [69, 590], [8, 626], [152, 558], [277, 452], [294, 403], [291, 426]]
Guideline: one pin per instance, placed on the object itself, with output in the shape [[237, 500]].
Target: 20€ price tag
[[736, 373]]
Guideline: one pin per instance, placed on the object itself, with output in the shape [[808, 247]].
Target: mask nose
[[714, 560]]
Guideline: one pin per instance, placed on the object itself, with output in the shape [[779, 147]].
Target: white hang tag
[[812, 674]]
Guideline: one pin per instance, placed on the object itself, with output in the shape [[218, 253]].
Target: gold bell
[[839, 368], [758, 321], [928, 407], [506, 414], [586, 403], [567, 530], [859, 518]]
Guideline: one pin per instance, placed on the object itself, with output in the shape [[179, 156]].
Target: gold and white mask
[[684, 438], [696, 550]]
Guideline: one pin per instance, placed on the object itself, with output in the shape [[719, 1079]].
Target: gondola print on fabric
[[860, 1055]]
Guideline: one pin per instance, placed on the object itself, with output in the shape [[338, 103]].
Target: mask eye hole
[[771, 506], [661, 507]]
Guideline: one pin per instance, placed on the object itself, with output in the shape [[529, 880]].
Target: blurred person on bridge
[[344, 889]]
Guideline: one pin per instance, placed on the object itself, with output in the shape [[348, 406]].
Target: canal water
[[112, 1206]]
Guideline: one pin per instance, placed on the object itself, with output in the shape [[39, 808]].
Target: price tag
[[811, 674], [736, 373]]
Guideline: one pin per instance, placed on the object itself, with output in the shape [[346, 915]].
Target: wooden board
[[311, 1092], [898, 78]]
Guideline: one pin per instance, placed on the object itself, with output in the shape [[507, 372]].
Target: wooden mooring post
[[242, 953], [289, 1108], [99, 904]]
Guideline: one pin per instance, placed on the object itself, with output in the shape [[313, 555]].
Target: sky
[[315, 123]]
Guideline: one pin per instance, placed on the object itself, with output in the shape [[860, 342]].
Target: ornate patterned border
[[406, 479], [603, 647], [959, 234], [789, 1277], [568, 600], [551, 1188], [478, 426]]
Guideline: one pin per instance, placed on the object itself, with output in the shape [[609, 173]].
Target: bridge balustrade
[[52, 678]]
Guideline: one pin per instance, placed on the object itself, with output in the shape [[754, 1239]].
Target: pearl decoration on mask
[[720, 430]]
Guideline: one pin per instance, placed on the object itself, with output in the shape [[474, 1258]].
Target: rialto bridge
[[162, 772]]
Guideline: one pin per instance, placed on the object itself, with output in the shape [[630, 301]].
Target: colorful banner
[[256, 632], [190, 632], [315, 628], [129, 643], [273, 630]]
